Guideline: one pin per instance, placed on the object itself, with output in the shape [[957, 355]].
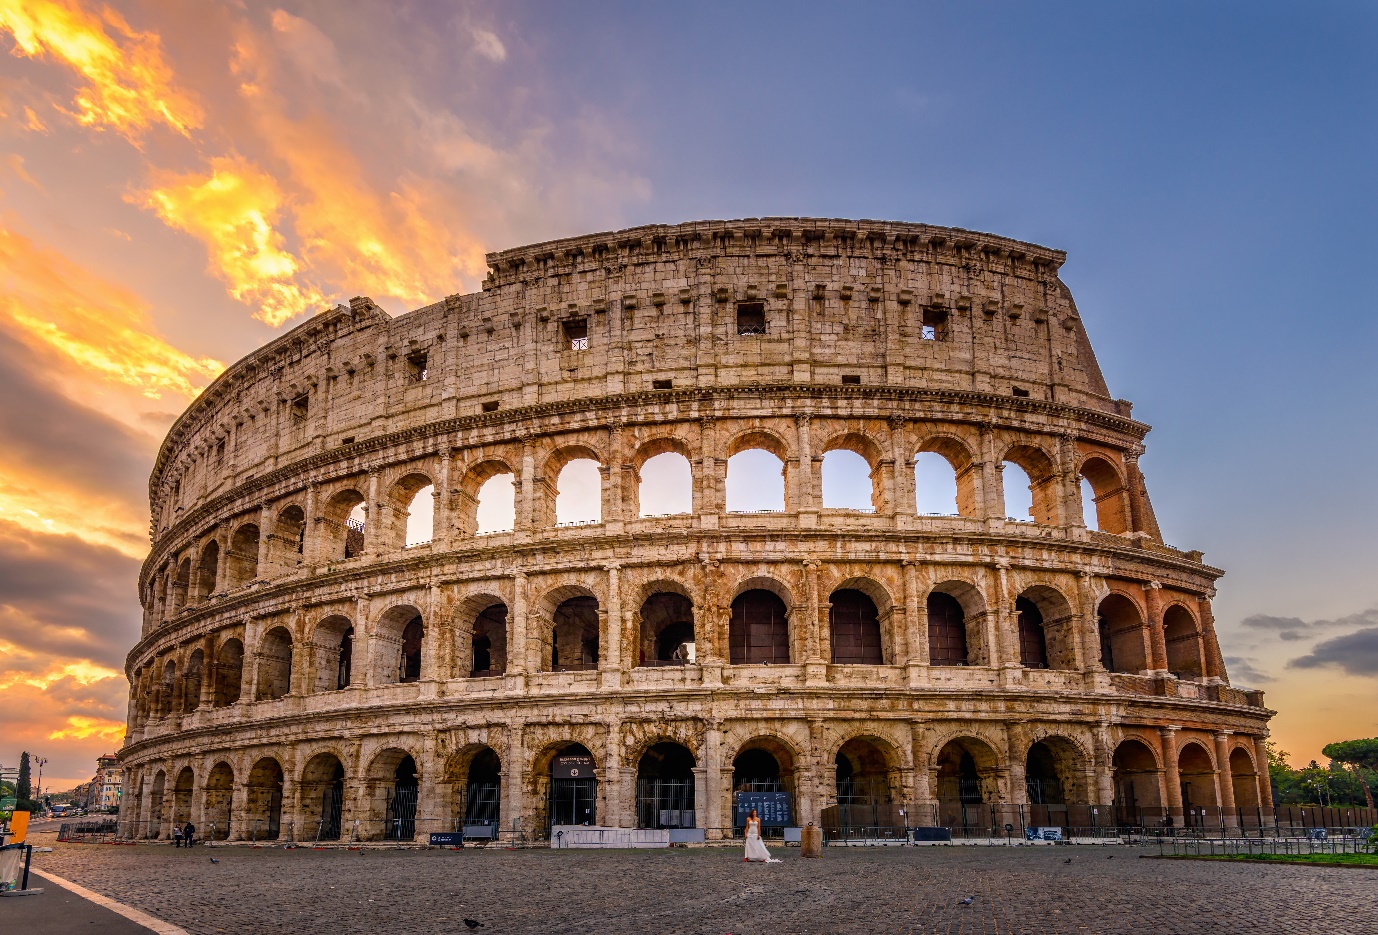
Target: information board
[[771, 807]]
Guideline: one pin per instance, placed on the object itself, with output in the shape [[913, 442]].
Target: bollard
[[811, 841]]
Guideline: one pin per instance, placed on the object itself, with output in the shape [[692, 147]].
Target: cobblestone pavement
[[710, 890]]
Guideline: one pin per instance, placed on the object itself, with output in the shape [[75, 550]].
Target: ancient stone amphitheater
[[311, 666]]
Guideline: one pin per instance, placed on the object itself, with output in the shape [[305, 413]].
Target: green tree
[[24, 788], [1360, 757]]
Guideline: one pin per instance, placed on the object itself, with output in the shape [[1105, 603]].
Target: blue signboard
[[771, 807]]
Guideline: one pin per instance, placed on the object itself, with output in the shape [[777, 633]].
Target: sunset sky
[[180, 182]]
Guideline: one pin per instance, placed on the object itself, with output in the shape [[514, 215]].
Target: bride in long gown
[[755, 850]]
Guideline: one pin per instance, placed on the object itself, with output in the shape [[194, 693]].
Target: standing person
[[189, 834], [755, 850]]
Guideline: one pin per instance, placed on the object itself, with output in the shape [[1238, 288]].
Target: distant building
[[104, 792]]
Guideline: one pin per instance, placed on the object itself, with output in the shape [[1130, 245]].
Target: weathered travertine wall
[[796, 336]]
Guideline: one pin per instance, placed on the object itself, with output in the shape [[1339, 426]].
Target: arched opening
[[181, 585], [483, 789], [1122, 638], [1185, 658], [947, 630], [181, 797], [1046, 619], [667, 630], [1197, 775], [242, 559], [1030, 485], [402, 800], [488, 643], [399, 638], [1018, 492], [322, 797], [1104, 498], [1041, 778], [1033, 645], [1243, 780], [759, 630], [763, 778], [263, 801], [229, 673], [1135, 778], [166, 690], [579, 493], [155, 804], [959, 776], [191, 681], [420, 517], [219, 796], [496, 508], [935, 485], [854, 627], [847, 482], [573, 787], [275, 665], [206, 570], [334, 643], [665, 485], [344, 529], [574, 635], [862, 783], [665, 787], [755, 482], [287, 545]]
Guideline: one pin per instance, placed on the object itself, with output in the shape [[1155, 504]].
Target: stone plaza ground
[[710, 890]]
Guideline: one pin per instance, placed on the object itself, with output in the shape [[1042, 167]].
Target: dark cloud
[[1354, 653], [1243, 669], [63, 597], [1293, 629], [46, 434]]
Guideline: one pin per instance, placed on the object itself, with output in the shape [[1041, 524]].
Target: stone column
[[1172, 779], [1265, 785], [1224, 778], [1153, 598], [610, 641]]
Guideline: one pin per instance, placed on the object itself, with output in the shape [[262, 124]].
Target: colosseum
[[408, 575]]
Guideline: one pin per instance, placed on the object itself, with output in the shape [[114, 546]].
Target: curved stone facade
[[300, 671]]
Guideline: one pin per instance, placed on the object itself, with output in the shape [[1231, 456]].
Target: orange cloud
[[129, 85], [233, 209], [100, 328]]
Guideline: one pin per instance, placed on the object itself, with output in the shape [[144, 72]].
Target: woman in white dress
[[755, 850]]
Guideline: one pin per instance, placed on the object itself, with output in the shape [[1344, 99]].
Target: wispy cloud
[[128, 84]]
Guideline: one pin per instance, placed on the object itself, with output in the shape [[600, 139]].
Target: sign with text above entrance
[[572, 767], [771, 807]]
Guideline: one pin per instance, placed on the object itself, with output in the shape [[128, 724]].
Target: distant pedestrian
[[176, 836], [189, 834]]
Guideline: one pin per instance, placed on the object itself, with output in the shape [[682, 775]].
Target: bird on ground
[[966, 900], [473, 923]]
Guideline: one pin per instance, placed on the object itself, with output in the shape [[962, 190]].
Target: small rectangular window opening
[[934, 324], [299, 408], [851, 378], [490, 406], [662, 384], [416, 367], [751, 318], [576, 334], [1020, 392]]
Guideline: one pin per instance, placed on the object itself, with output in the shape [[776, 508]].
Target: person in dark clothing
[[189, 834]]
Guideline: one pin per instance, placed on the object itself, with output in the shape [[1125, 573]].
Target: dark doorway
[[855, 626], [665, 787], [758, 632]]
